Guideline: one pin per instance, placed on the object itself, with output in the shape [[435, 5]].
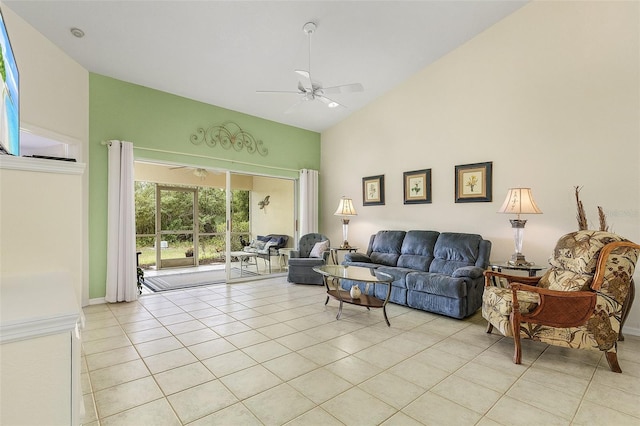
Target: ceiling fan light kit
[[312, 90]]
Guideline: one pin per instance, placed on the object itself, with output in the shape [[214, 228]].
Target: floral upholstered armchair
[[580, 302]]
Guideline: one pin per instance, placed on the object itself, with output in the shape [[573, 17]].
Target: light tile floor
[[271, 353]]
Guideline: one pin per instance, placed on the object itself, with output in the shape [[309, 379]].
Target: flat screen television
[[10, 104]]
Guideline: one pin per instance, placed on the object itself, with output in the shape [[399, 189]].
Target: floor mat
[[192, 279]]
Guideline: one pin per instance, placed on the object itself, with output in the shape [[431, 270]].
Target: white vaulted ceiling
[[222, 52]]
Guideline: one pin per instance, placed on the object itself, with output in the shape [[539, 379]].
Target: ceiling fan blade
[[345, 88], [278, 91], [330, 102], [293, 107]]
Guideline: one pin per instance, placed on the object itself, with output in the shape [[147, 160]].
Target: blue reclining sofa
[[433, 271]]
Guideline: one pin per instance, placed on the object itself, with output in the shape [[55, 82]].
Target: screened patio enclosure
[[201, 219]]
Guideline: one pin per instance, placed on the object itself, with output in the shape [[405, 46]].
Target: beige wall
[[277, 217], [550, 95], [44, 219], [54, 89]]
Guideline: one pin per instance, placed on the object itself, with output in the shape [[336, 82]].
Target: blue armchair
[[301, 261]]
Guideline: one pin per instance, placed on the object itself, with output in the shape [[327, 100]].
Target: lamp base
[[345, 245], [517, 259]]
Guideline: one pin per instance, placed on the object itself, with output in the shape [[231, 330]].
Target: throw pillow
[[274, 241], [319, 248], [259, 245]]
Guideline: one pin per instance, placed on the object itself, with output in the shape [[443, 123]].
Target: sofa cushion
[[438, 284], [455, 250], [417, 250], [386, 247], [356, 257], [399, 274], [308, 262], [564, 280]]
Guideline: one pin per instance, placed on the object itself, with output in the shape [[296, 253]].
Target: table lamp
[[345, 209], [519, 201]]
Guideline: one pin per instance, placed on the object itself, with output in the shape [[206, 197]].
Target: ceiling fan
[[197, 171], [310, 89]]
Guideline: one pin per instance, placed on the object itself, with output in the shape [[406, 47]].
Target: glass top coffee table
[[333, 274]]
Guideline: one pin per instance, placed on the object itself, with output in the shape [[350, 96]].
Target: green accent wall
[[161, 121]]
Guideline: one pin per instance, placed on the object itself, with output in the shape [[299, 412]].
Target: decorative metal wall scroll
[[229, 135]]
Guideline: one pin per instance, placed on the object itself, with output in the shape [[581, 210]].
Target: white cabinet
[[39, 350]]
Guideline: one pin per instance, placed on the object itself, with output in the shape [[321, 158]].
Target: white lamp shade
[[519, 201], [345, 208]]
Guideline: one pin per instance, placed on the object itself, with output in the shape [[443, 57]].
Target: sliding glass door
[[211, 225], [261, 213], [176, 244], [192, 217]]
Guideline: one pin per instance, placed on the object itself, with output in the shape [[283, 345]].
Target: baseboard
[[98, 301], [631, 331]]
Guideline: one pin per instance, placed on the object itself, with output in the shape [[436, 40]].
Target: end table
[[532, 270], [334, 252]]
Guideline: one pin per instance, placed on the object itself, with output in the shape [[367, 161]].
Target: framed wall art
[[473, 183], [373, 190], [417, 187]]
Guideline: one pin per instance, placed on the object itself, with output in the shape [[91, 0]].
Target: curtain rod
[[207, 157]]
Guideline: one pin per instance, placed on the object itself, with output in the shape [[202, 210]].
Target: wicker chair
[[580, 302]]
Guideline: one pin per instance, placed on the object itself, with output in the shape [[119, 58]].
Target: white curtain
[[308, 201], [121, 244]]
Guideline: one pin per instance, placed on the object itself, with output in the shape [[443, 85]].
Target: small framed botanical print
[[417, 187], [373, 190], [473, 183]]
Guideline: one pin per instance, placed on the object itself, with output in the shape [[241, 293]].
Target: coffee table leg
[[384, 311], [339, 311]]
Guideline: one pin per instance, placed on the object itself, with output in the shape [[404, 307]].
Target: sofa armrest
[[357, 257], [472, 272], [294, 253]]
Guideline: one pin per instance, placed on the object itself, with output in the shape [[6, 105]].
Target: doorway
[[190, 221]]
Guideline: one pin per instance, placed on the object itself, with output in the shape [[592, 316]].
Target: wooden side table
[[334, 252]]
